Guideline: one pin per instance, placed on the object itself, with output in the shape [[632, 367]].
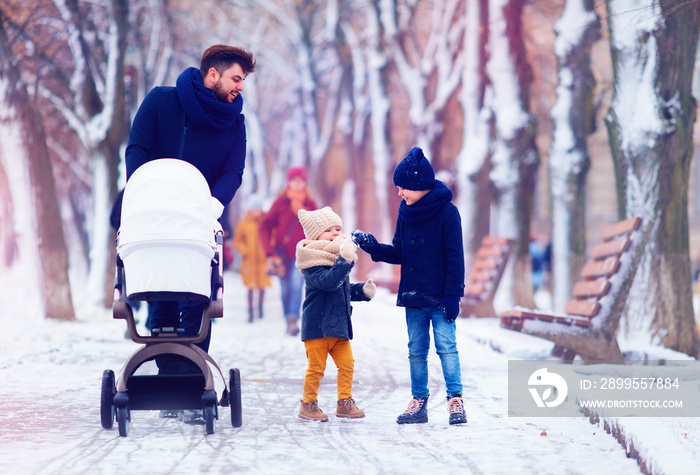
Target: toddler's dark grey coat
[[326, 310]]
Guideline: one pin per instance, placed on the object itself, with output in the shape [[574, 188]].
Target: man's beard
[[220, 94]]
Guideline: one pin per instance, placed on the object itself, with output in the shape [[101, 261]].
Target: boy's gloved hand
[[348, 251], [366, 241], [369, 289], [450, 305]]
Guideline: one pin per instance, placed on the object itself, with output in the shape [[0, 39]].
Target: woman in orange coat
[[246, 240]]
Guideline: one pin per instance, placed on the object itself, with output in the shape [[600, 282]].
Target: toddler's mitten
[[348, 251], [369, 289], [366, 241], [450, 305]]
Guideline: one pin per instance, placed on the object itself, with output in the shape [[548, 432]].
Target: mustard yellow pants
[[317, 351]]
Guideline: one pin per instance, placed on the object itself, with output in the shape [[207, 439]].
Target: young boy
[[428, 245], [325, 258]]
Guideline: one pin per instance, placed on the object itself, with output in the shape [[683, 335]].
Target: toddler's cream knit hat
[[317, 221]]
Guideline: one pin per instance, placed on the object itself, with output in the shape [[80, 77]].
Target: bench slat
[[583, 308], [591, 288], [480, 276], [494, 241], [604, 268], [484, 264], [610, 248], [622, 227], [492, 252], [514, 317]]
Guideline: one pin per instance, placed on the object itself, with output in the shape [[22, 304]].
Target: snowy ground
[[50, 391]]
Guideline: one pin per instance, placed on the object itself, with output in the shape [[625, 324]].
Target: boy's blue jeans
[[418, 322]]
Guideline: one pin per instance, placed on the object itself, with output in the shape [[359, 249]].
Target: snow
[[639, 120], [50, 423], [571, 26], [15, 163]]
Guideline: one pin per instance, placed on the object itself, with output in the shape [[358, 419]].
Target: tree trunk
[[117, 136], [52, 253], [515, 157], [473, 164], [381, 216], [652, 161], [574, 120]]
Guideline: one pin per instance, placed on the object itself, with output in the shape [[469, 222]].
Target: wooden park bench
[[588, 326], [487, 269]]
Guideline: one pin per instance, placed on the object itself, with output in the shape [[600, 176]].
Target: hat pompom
[[414, 172], [317, 221]]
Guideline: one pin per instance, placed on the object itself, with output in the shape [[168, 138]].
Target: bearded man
[[198, 121]]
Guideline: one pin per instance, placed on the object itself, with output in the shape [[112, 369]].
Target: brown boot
[[347, 408], [311, 412]]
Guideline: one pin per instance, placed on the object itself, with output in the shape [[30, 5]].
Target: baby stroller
[[168, 248]]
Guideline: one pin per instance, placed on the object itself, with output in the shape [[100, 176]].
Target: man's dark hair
[[222, 57]]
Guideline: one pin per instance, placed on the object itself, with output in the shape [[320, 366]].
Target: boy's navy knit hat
[[414, 172]]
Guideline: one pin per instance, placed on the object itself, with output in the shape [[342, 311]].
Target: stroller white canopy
[[167, 236]]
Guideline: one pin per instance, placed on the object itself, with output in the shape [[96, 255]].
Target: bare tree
[[425, 45], [515, 157], [650, 124], [92, 102], [574, 117], [26, 139], [473, 163]]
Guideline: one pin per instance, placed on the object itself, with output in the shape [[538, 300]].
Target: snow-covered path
[[50, 423]]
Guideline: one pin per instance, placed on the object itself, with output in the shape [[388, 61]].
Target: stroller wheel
[[109, 389], [234, 397], [210, 418], [123, 421]]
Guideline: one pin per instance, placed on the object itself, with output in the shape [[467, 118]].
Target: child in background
[[326, 258], [246, 240], [428, 245]]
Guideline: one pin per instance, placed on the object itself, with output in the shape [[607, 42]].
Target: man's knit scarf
[[428, 206], [312, 253], [202, 106]]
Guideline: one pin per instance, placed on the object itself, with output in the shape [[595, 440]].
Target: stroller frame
[[173, 392]]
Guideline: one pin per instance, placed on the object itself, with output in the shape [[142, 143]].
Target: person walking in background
[[198, 121], [280, 232], [541, 259], [428, 245], [325, 258], [253, 270]]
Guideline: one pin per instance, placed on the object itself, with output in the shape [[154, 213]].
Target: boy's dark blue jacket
[[428, 245], [161, 129], [327, 309]]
